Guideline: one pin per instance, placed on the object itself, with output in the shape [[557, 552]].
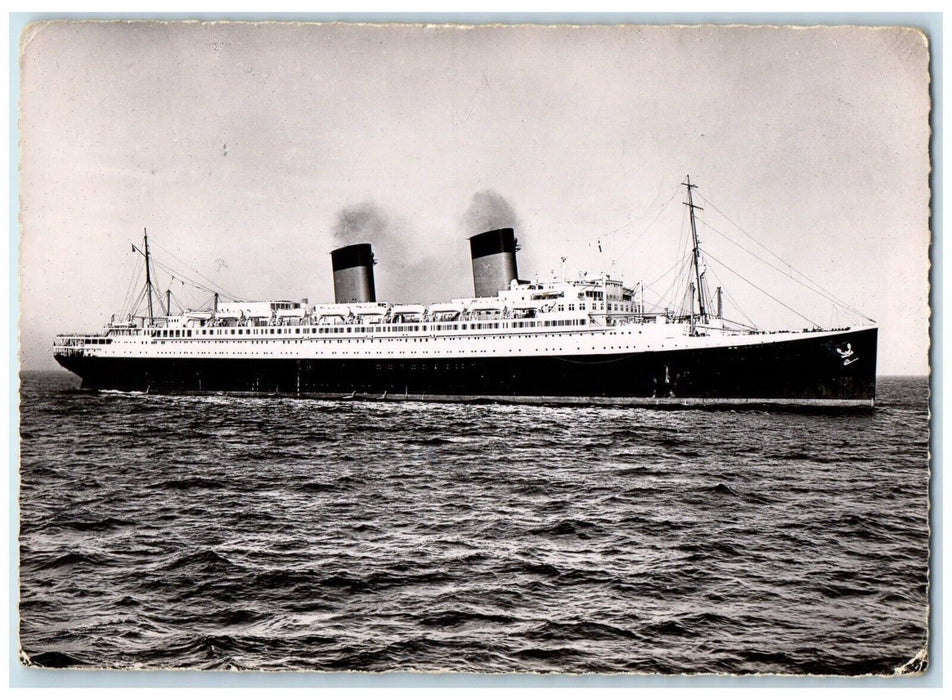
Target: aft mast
[[148, 273]]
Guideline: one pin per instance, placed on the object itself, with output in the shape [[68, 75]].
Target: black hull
[[804, 370]]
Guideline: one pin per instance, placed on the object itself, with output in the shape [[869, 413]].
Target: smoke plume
[[422, 266], [489, 210], [361, 223], [414, 266]]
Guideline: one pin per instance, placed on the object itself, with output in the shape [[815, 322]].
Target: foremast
[[702, 311]]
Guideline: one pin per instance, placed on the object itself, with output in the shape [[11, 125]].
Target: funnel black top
[[356, 255], [500, 240]]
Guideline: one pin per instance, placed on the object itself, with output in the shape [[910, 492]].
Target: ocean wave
[[281, 533], [52, 659], [70, 560], [456, 618], [187, 483], [580, 631]]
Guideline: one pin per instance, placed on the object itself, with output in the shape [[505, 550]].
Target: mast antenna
[[697, 249]]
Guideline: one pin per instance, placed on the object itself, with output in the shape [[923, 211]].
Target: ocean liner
[[588, 340]]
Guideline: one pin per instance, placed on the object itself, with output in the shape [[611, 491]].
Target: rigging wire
[[685, 251], [732, 300], [138, 302], [677, 268], [647, 228], [666, 272], [156, 287], [205, 303], [629, 223], [177, 300], [816, 290], [817, 287], [185, 296], [176, 274], [746, 326], [129, 287], [684, 281], [214, 286], [674, 287], [762, 291], [187, 301], [126, 307], [173, 273]]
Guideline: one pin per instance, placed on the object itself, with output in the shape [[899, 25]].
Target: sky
[[250, 151]]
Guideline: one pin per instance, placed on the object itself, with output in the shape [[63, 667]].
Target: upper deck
[[528, 317], [523, 308]]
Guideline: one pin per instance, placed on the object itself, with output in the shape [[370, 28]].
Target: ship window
[[189, 334], [297, 330], [232, 331]]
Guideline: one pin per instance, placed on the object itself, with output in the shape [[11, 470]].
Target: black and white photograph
[[474, 348]]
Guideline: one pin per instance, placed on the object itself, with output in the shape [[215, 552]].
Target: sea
[[221, 532]]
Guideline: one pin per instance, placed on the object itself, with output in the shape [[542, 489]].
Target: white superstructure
[[581, 317]]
